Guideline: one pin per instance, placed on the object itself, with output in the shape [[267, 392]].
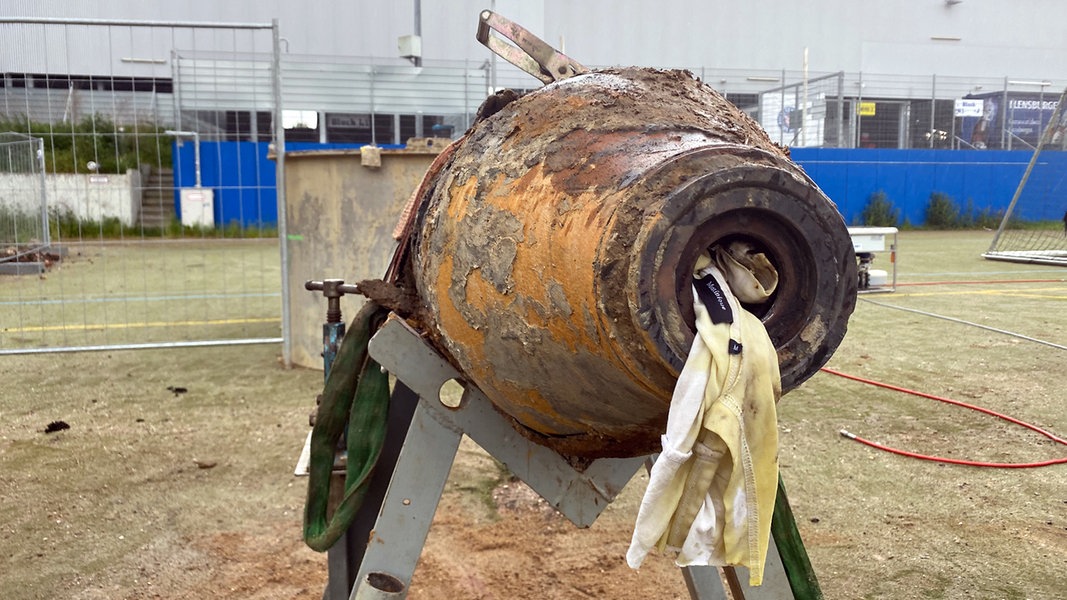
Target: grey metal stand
[[418, 478]]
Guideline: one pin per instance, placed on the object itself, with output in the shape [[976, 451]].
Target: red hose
[[941, 459]]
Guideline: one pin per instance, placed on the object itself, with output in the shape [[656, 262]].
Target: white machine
[[867, 242]]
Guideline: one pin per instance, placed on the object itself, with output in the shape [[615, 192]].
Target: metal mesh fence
[[23, 203], [1038, 203], [806, 113], [219, 87], [142, 251], [160, 142]]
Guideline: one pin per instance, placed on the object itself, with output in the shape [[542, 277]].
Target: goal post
[[1034, 227], [23, 201]]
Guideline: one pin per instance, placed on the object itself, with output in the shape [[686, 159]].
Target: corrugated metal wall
[[974, 38]]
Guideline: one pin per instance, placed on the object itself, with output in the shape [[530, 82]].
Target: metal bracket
[[529, 52], [421, 470], [578, 495]]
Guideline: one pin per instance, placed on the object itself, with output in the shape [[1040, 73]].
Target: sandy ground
[[152, 494]]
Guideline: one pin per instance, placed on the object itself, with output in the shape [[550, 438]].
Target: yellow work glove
[[711, 491]]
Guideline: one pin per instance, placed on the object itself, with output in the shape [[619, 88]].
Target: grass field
[[893, 527], [152, 494], [135, 292]]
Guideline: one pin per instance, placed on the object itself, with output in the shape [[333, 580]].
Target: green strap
[[791, 549], [357, 395]]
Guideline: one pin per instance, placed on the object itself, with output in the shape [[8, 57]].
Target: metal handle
[[332, 289], [529, 52]]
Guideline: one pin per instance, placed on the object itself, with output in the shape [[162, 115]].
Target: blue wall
[[241, 175], [987, 179], [244, 179]]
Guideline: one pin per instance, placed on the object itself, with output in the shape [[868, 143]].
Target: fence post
[[933, 106], [841, 109], [373, 114], [279, 153], [1004, 118], [46, 235]]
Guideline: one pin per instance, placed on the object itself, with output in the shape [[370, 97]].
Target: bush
[[942, 212], [879, 211], [985, 218], [65, 226], [115, 147], [18, 226]]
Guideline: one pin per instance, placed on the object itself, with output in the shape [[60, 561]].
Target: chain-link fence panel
[[143, 247], [23, 202]]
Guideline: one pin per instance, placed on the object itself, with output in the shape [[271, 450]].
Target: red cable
[[954, 461]]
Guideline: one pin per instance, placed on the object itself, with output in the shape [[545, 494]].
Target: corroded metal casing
[[556, 251]]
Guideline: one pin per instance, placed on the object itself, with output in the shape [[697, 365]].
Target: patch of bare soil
[[521, 549], [528, 550], [267, 564], [270, 564]]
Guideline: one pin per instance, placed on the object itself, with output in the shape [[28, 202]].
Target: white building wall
[[82, 197], [981, 38]]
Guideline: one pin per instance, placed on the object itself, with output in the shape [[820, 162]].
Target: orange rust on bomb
[[465, 190], [452, 319], [540, 265], [556, 252], [535, 404], [484, 297]]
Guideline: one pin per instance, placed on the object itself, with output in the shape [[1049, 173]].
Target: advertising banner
[[1012, 120]]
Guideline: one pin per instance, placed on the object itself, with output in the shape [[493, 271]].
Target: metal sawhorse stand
[[395, 524]]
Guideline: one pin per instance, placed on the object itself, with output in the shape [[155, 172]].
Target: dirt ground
[[153, 493]]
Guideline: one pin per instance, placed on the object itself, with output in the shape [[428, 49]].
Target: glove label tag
[[714, 299]]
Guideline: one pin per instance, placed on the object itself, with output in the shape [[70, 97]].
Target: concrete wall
[[20, 193], [85, 197], [340, 222]]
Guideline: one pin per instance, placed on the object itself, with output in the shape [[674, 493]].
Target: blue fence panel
[[981, 180], [239, 174], [1049, 177], [243, 179]]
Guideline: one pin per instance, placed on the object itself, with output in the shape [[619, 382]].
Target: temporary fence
[[144, 189], [1039, 192], [127, 255], [24, 212]]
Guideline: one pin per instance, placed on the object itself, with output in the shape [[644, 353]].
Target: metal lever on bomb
[[529, 52]]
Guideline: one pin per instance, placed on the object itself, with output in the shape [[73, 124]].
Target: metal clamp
[[529, 52]]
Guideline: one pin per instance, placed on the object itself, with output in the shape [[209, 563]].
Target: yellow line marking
[[1037, 296], [1056, 292], [102, 327]]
